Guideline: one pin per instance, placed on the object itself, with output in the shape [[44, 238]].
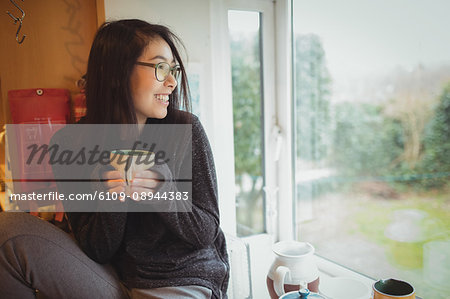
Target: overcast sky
[[361, 36], [364, 40]]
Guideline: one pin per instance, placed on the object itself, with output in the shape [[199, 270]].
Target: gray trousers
[[38, 260]]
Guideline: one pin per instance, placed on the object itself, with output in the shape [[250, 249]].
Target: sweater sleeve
[[199, 227], [99, 234]]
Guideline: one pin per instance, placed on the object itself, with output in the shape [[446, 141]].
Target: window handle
[[277, 136]]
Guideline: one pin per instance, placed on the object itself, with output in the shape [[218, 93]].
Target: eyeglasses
[[163, 69]]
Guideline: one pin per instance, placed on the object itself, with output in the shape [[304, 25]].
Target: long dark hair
[[114, 52]]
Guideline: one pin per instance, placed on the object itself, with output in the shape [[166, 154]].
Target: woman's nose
[[171, 81]]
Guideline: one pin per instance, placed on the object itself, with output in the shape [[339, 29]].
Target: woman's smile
[[163, 98]]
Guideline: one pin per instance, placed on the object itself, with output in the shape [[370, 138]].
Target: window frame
[[223, 110]]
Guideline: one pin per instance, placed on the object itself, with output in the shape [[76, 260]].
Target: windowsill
[[328, 269]]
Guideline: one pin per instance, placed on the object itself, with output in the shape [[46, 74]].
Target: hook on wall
[[17, 19]]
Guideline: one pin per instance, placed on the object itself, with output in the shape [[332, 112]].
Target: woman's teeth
[[163, 97]]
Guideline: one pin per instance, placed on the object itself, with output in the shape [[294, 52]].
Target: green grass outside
[[436, 226]]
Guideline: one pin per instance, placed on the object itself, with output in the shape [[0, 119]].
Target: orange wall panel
[[55, 51]]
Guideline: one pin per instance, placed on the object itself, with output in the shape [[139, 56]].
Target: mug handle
[[278, 281]]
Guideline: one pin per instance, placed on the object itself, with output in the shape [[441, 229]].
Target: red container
[[43, 111]]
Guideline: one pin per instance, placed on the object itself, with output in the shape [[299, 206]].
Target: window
[[248, 120], [372, 139], [250, 50]]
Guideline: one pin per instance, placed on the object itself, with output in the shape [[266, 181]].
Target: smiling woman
[[110, 99], [151, 89]]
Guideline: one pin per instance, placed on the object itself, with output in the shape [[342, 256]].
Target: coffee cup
[[130, 162], [392, 288]]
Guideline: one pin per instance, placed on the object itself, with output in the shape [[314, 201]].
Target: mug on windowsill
[[393, 289]]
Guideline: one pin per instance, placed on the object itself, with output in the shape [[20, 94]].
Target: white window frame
[[223, 110], [266, 8], [283, 59]]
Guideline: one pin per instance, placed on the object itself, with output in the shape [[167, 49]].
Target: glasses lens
[[162, 71], [176, 71]]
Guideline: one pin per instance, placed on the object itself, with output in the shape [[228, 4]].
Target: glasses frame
[[156, 65]]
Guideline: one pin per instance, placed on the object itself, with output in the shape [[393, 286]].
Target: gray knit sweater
[[157, 249]]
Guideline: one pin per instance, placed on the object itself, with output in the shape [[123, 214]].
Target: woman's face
[[149, 95]]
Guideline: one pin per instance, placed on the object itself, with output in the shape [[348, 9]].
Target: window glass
[[244, 28], [372, 137]]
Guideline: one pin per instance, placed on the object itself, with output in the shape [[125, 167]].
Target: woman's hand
[[145, 181], [115, 183]]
